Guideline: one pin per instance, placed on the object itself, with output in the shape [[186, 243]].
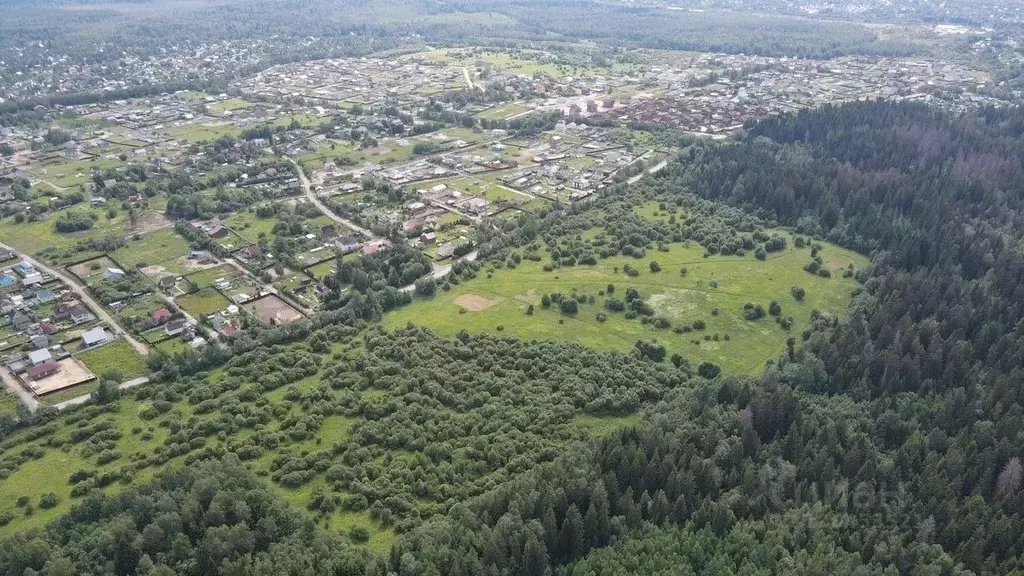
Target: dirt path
[[85, 397], [12, 385], [94, 306], [311, 196]]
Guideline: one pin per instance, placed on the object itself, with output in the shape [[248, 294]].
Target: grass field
[[31, 237], [203, 302], [203, 132], [66, 173], [219, 108], [8, 403], [72, 392], [159, 248], [503, 111], [248, 226], [118, 355], [502, 301], [206, 278], [173, 346], [322, 270]]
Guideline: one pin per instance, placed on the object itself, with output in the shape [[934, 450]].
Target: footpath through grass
[[714, 290]]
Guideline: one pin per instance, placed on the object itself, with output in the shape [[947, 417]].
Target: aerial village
[[160, 224]]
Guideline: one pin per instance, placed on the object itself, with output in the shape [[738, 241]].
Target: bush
[[753, 311], [359, 534], [601, 317], [48, 500], [798, 292], [655, 267], [569, 306], [708, 370], [774, 308], [426, 286], [73, 221]]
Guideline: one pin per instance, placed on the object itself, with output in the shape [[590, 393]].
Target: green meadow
[[714, 290]]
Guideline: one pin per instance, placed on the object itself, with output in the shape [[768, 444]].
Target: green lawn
[[203, 302], [206, 278], [69, 393], [322, 270], [503, 111], [31, 237], [173, 346], [159, 248], [503, 299], [118, 356], [203, 132], [249, 226]]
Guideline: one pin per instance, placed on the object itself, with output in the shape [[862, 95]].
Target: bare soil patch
[[72, 373], [475, 303]]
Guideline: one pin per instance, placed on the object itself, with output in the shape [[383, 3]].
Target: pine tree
[[535, 557], [571, 538]]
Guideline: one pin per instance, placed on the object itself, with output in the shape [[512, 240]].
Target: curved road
[[94, 306], [308, 190]]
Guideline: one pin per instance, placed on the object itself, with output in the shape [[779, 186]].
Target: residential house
[[45, 297], [175, 327], [20, 320], [167, 283], [40, 341], [250, 252], [160, 316], [25, 267], [347, 244], [41, 356], [7, 280], [113, 274], [350, 187], [42, 371], [95, 337], [446, 250], [428, 238], [328, 232], [98, 201], [374, 247], [6, 255], [79, 315], [32, 279]]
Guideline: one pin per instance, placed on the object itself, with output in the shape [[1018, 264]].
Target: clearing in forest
[[712, 293]]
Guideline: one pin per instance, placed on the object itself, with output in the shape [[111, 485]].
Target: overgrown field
[[118, 355], [713, 291], [379, 432]]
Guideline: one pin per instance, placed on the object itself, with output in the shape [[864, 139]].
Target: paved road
[[311, 196], [85, 398], [652, 170], [12, 385], [469, 80], [441, 271], [94, 306]]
